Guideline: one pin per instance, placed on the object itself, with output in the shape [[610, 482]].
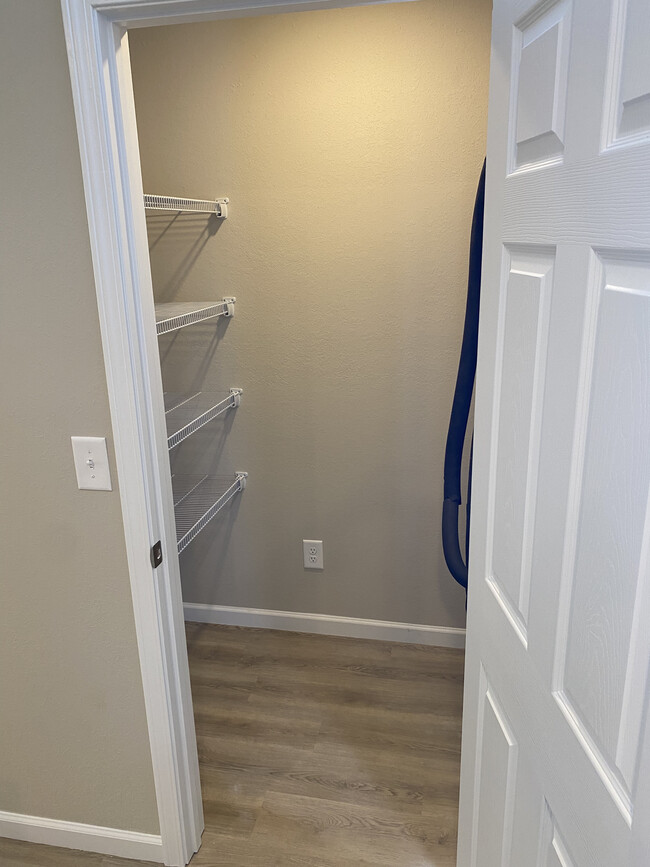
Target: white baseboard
[[325, 624], [74, 835]]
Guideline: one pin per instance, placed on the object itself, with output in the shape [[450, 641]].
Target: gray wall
[[73, 737], [350, 142]]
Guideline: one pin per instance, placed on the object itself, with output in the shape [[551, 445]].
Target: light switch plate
[[91, 463]]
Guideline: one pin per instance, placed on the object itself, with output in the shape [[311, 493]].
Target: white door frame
[[100, 71]]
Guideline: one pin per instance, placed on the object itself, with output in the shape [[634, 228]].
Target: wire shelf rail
[[179, 314], [218, 207], [184, 415], [197, 499]]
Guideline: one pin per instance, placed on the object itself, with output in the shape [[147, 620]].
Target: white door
[[556, 743]]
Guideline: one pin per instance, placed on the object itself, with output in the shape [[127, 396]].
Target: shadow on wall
[[212, 547], [202, 453], [182, 345], [186, 235]]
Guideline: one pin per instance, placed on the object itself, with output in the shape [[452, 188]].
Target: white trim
[[326, 624], [75, 835], [103, 99]]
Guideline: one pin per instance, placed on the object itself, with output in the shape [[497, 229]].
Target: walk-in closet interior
[[309, 181]]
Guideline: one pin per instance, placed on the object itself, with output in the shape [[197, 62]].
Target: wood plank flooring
[[316, 751]]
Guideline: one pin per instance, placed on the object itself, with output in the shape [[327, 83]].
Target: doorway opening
[[345, 145], [348, 144]]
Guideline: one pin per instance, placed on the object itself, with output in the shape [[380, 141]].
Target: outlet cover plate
[[312, 553]]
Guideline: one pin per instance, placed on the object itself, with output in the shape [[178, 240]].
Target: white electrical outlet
[[312, 552]]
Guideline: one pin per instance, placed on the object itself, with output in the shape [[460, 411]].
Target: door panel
[[556, 756], [629, 71], [497, 775], [522, 350], [553, 852], [539, 76], [595, 670]]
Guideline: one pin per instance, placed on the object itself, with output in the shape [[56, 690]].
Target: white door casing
[[556, 736]]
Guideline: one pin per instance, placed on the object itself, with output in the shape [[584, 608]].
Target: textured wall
[[73, 736], [350, 142]]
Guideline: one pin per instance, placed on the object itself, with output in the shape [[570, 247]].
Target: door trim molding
[[326, 624], [76, 835], [100, 74]]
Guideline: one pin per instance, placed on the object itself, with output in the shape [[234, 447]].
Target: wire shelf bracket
[[218, 207], [186, 415], [179, 314], [198, 499]]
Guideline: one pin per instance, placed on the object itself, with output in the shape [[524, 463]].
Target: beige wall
[[350, 142], [73, 737]]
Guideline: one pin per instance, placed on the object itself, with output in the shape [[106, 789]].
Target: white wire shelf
[[218, 207], [179, 314], [185, 414], [197, 499]]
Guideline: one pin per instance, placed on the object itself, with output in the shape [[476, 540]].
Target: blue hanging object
[[461, 405]]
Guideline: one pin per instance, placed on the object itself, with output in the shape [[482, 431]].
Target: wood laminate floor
[[315, 751]]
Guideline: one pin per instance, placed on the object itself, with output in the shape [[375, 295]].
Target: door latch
[[156, 555]]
